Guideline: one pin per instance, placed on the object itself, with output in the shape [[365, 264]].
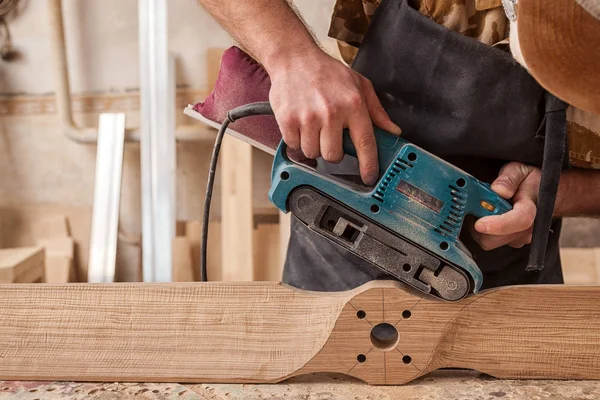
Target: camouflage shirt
[[483, 20]]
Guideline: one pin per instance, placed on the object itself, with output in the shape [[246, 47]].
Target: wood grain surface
[[267, 332]]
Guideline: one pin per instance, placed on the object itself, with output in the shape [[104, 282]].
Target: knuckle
[[331, 111], [355, 100], [310, 117]]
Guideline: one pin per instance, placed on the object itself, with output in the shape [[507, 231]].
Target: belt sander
[[407, 225]]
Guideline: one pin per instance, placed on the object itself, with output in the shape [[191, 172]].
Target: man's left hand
[[519, 182]]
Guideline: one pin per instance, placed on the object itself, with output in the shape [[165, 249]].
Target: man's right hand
[[315, 97]]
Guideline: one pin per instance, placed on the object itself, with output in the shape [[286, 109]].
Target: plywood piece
[[182, 260], [237, 217], [267, 332], [22, 265], [266, 253], [581, 266]]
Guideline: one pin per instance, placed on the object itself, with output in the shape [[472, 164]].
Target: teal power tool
[[408, 225]]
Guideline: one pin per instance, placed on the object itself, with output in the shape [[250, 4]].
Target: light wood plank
[[266, 332], [267, 260], [59, 259], [237, 217], [22, 265], [182, 260]]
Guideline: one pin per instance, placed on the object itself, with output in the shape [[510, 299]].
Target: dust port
[[384, 336]]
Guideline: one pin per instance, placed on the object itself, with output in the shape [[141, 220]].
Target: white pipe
[[63, 91]]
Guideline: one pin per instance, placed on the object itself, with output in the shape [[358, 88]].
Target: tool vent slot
[[404, 162], [453, 220]]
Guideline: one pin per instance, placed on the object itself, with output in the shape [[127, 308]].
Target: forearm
[[270, 30], [578, 193]]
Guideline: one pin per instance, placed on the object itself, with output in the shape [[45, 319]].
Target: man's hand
[[314, 98], [519, 182]]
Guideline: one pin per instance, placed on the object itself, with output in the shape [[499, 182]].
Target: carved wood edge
[[267, 332]]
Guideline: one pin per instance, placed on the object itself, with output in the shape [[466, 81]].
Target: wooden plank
[[267, 332], [59, 259], [581, 266], [107, 198], [285, 229], [22, 265], [266, 253], [237, 218], [194, 233], [182, 260], [50, 227]]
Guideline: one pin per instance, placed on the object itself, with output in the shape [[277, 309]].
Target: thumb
[[510, 178], [377, 113]]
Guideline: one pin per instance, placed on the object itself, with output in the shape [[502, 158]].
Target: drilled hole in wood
[[406, 359], [361, 358], [384, 336], [406, 314], [360, 314]]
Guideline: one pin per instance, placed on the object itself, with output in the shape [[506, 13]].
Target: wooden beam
[[266, 332]]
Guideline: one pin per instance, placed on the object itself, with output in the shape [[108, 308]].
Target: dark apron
[[470, 104]]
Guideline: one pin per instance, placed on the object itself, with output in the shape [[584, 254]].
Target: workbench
[[443, 385]]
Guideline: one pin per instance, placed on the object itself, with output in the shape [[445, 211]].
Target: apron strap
[[554, 159]]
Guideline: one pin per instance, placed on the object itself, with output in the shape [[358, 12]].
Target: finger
[[521, 241], [363, 138], [509, 179], [309, 136], [520, 218], [491, 242], [309, 142], [331, 143], [290, 132], [379, 116]]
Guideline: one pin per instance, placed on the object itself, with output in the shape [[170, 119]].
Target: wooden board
[[59, 259], [267, 332], [22, 265], [237, 216]]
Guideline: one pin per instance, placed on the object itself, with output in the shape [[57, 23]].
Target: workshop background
[[47, 179]]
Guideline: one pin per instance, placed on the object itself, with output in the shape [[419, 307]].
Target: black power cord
[[260, 108]]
